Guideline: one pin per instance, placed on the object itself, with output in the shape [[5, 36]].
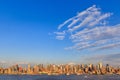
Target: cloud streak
[[60, 37], [113, 58], [88, 29]]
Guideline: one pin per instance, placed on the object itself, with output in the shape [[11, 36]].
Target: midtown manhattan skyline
[[59, 32]]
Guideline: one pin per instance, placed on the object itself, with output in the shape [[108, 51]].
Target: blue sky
[[29, 31]]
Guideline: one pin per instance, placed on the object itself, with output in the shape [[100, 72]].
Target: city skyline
[[59, 32], [66, 69]]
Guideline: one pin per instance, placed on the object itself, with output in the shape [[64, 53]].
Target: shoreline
[[55, 74]]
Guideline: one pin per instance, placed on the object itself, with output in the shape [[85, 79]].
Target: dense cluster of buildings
[[67, 69]]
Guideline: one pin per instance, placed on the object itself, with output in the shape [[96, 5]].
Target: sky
[[59, 31]]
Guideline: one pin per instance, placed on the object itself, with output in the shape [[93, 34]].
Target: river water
[[60, 77]]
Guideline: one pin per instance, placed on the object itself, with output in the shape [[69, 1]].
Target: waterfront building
[[67, 69]]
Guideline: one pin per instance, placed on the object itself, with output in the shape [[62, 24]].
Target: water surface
[[60, 77]]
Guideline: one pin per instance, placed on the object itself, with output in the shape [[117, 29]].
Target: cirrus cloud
[[89, 29]]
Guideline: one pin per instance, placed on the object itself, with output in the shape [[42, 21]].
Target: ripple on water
[[61, 77]]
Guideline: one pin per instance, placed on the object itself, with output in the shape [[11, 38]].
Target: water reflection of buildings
[[67, 69]]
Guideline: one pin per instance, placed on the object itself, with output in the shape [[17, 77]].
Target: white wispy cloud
[[112, 45], [112, 58], [60, 33], [89, 29], [60, 37], [61, 25]]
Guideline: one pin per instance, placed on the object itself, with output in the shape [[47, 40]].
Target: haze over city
[[59, 32]]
